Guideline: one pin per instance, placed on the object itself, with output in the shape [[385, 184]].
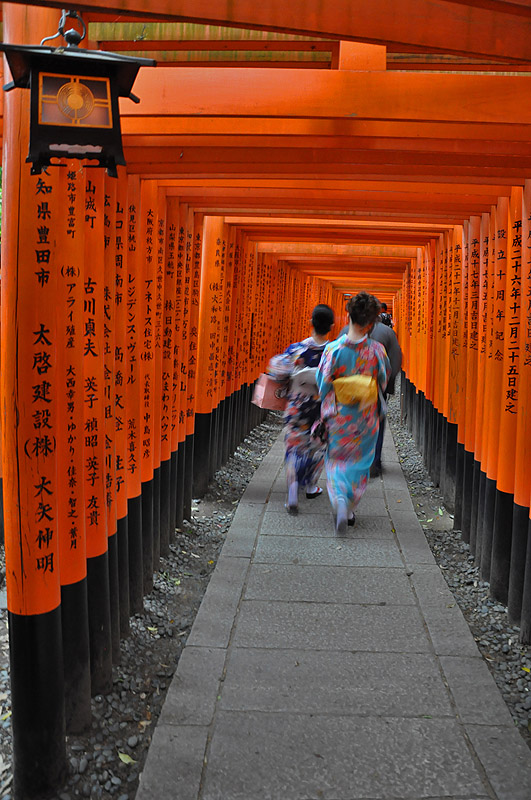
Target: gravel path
[[498, 641]]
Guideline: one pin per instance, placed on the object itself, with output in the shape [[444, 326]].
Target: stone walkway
[[326, 668]]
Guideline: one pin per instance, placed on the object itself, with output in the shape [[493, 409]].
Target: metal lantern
[[74, 98]]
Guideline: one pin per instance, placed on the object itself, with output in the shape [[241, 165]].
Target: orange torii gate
[[128, 364]]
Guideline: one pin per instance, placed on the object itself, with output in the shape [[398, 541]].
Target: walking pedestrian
[[353, 371], [385, 335], [304, 458], [382, 332]]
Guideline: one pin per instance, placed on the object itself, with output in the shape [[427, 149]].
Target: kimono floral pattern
[[304, 458], [352, 430]]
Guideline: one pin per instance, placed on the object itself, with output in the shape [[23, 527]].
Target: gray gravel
[[107, 761], [498, 641]]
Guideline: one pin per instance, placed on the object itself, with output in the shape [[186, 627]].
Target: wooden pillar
[[28, 395]]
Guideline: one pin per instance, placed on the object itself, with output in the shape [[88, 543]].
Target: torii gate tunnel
[[282, 155]]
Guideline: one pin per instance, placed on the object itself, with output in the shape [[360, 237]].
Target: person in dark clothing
[[384, 334], [385, 317]]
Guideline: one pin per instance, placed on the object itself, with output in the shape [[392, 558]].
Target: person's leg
[[376, 466], [379, 444]]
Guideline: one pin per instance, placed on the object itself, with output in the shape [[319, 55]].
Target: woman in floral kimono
[[304, 454], [350, 408]]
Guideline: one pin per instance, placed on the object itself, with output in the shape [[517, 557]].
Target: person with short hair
[[350, 408], [385, 317], [304, 458]]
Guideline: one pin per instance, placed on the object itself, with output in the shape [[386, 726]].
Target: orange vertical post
[[119, 234], [168, 453], [70, 449], [94, 434], [147, 296], [520, 586], [133, 393], [493, 384], [109, 335], [29, 468], [508, 411]]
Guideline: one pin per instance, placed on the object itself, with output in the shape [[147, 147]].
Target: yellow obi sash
[[362, 389]]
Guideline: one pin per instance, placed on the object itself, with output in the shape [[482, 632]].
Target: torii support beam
[[499, 30]]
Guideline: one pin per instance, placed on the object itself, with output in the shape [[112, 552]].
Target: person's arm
[[280, 366]]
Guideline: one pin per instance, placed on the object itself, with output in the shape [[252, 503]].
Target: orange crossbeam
[[436, 26]]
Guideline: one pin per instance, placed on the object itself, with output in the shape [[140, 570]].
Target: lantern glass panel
[[74, 101]]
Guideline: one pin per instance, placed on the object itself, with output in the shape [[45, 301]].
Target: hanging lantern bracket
[[74, 97]]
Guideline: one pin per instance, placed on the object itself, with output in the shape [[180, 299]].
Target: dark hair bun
[[363, 309]]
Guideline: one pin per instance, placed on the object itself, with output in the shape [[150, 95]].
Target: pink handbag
[[270, 394]]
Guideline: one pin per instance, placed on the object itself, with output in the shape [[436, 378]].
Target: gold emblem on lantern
[[80, 100], [75, 100]]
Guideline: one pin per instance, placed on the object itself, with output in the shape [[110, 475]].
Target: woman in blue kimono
[[299, 362], [353, 425]]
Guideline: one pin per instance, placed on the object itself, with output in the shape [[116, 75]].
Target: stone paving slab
[[323, 682], [430, 587], [332, 668], [505, 757], [449, 632], [475, 692], [370, 527], [214, 621], [328, 626], [328, 551], [197, 686], [325, 584], [174, 764], [255, 756]]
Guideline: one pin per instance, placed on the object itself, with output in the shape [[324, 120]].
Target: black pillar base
[[180, 481], [501, 546], [114, 597], [122, 535], [449, 466], [37, 695], [99, 617], [459, 486], [518, 558], [76, 656], [173, 495], [488, 528], [165, 507], [525, 619], [201, 460], [480, 522], [466, 496], [156, 519], [147, 536], [188, 469], [474, 497], [136, 570]]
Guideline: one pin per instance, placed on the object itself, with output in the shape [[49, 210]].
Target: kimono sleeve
[[325, 381], [281, 366]]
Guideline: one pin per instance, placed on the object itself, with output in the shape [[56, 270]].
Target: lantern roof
[[22, 59]]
